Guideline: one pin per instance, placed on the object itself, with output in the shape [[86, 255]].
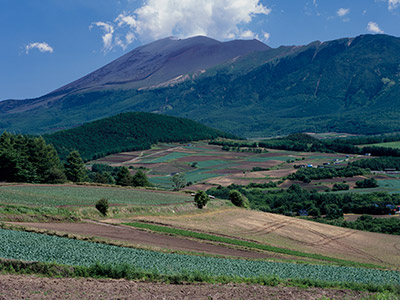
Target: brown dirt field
[[280, 173], [225, 181], [197, 187], [205, 158], [140, 237], [293, 233], [34, 288], [265, 164], [225, 171]]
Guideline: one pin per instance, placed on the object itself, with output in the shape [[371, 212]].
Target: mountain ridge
[[349, 84]]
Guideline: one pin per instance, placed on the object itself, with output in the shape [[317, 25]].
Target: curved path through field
[[140, 237]]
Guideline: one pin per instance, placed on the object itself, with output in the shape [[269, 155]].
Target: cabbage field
[[44, 248]]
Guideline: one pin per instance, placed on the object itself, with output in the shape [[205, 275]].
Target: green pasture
[[166, 158], [395, 145], [262, 159], [84, 196], [391, 186], [213, 163]]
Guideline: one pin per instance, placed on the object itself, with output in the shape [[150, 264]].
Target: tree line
[[296, 201], [30, 159], [308, 174]]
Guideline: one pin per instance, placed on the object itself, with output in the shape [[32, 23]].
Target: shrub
[[201, 199], [340, 187], [238, 199], [367, 183], [102, 206]]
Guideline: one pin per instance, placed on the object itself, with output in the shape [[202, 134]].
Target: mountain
[[127, 132], [161, 63], [345, 85]]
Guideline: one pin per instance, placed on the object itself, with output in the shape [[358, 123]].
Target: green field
[[395, 145], [167, 158], [84, 196], [28, 246], [391, 186]]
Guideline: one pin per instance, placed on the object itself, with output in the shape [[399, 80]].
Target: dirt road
[[34, 288]]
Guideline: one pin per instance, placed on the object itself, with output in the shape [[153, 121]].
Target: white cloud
[[42, 47], [124, 19], [266, 36], [108, 31], [343, 11], [374, 28], [393, 4], [155, 19], [248, 34]]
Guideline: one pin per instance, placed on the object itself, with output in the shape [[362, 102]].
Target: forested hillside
[[128, 132]]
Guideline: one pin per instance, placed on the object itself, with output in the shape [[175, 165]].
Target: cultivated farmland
[[292, 233], [63, 195], [37, 247]]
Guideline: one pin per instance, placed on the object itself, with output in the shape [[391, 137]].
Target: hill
[[127, 132], [345, 85]]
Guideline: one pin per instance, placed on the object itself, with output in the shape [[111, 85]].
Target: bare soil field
[[226, 181], [293, 233], [140, 237], [34, 288]]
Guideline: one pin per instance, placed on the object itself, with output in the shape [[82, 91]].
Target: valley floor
[[77, 288]]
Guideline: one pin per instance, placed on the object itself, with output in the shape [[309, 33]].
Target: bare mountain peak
[[163, 60]]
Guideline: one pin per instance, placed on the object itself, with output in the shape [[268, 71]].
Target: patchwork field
[[209, 165], [177, 239]]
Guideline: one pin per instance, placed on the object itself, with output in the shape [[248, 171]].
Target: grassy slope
[[78, 196]]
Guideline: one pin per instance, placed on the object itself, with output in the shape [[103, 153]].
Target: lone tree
[[102, 206], [124, 177], [75, 168], [238, 199], [140, 179], [178, 181], [201, 199]]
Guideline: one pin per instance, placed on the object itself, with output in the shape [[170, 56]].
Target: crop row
[[43, 248], [83, 195]]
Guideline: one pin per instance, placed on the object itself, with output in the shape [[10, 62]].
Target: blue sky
[[49, 43]]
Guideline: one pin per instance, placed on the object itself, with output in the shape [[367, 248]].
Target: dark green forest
[[128, 132], [29, 159]]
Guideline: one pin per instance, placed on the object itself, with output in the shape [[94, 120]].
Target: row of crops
[[37, 247], [83, 195]]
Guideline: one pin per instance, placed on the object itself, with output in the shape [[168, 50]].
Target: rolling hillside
[[127, 132], [346, 85]]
